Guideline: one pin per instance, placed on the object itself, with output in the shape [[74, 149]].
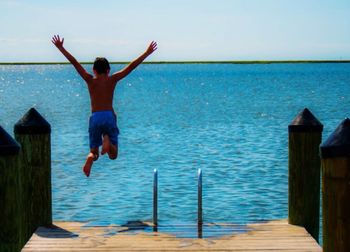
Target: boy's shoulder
[[107, 79]]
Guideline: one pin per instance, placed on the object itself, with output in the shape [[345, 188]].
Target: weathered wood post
[[11, 215], [32, 131], [305, 134], [335, 160]]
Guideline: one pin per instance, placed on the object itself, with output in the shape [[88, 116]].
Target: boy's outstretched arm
[[59, 44], [124, 72]]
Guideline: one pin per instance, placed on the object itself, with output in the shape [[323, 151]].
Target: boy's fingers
[[153, 45], [56, 39]]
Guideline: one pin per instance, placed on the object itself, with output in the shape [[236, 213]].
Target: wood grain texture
[[73, 236], [304, 180], [336, 204], [11, 216], [36, 166]]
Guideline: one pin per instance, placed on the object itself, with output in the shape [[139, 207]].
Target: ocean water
[[229, 120]]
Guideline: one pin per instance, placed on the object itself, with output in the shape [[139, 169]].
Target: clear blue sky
[[184, 29]]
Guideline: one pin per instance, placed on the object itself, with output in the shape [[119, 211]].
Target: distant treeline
[[191, 62]]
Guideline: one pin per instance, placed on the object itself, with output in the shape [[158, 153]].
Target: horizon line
[[187, 62]]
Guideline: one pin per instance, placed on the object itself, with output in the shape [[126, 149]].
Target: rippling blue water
[[229, 120]]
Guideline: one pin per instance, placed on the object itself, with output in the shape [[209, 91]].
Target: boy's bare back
[[101, 89]]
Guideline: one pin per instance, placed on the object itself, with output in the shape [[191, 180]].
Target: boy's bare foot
[[105, 145], [113, 151], [88, 164]]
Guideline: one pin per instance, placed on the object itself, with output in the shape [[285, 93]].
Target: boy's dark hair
[[101, 65]]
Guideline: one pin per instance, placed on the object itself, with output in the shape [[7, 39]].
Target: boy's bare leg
[[105, 145], [108, 147], [93, 156]]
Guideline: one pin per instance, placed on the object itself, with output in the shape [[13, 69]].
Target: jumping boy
[[103, 121]]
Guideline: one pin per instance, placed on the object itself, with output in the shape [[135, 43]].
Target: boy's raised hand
[[57, 41], [125, 71], [151, 48]]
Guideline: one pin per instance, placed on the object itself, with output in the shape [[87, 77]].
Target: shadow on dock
[[54, 231], [179, 230]]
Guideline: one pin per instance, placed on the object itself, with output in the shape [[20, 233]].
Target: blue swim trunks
[[103, 123]]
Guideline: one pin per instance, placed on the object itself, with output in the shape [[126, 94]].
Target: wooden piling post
[[305, 134], [11, 216], [335, 160], [32, 131]]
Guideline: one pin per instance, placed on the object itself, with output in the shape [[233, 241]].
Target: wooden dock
[[74, 236]]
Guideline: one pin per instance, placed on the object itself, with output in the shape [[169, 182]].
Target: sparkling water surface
[[229, 120]]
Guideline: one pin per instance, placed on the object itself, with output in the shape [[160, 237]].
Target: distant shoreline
[[191, 62]]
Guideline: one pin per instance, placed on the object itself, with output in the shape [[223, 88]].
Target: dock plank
[[74, 236]]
